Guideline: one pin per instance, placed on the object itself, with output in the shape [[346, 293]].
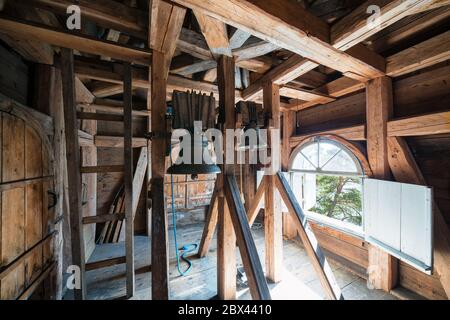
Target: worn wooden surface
[[299, 279]]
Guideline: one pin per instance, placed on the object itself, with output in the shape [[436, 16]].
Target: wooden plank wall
[[25, 218]]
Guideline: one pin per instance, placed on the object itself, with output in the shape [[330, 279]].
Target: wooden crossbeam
[[428, 124], [425, 54], [104, 71], [257, 202], [287, 25], [103, 218], [105, 263], [210, 225], [252, 265], [354, 27], [103, 12], [309, 240], [36, 32], [215, 33]]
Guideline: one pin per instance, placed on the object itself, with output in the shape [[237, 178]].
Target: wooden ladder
[[76, 170]]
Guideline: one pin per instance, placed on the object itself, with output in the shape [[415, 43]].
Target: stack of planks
[[191, 106], [112, 229]]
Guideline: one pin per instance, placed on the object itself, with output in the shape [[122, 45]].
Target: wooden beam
[[160, 258], [238, 39], [257, 204], [354, 27], [128, 179], [105, 263], [226, 237], [309, 240], [305, 95], [73, 173], [289, 128], [354, 133], [425, 54], [287, 25], [273, 219], [106, 13], [254, 50], [408, 28], [215, 33], [429, 124], [210, 225], [379, 110], [250, 258], [103, 218], [105, 71], [138, 184], [166, 21], [29, 30], [382, 270], [406, 170], [117, 142], [99, 116]]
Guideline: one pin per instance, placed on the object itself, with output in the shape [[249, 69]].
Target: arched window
[[327, 177]]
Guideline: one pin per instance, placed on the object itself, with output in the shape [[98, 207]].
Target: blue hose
[[185, 249]]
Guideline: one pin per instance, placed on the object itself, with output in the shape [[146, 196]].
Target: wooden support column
[[128, 178], [273, 219], [383, 268], [289, 127], [226, 237], [73, 172], [160, 260], [165, 22]]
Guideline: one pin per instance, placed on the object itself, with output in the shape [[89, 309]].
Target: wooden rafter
[[287, 25], [107, 13], [36, 32]]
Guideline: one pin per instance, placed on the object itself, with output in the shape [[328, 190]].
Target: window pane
[[339, 198], [301, 163], [342, 162], [311, 153], [327, 151]]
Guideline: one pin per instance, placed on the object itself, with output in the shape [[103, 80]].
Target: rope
[[185, 249]]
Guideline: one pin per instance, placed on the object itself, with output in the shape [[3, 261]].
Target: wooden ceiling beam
[[31, 31], [106, 13], [420, 125], [215, 33], [354, 27], [425, 54], [287, 25], [112, 73]]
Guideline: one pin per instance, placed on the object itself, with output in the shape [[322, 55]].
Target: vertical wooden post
[[273, 219], [128, 177], [226, 237], [383, 267], [160, 261], [73, 171], [289, 126]]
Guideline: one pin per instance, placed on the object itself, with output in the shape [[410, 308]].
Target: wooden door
[[26, 223]]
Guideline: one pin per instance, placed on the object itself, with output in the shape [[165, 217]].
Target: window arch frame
[[355, 157]]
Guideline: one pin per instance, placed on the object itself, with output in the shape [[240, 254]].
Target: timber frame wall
[[369, 92]]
